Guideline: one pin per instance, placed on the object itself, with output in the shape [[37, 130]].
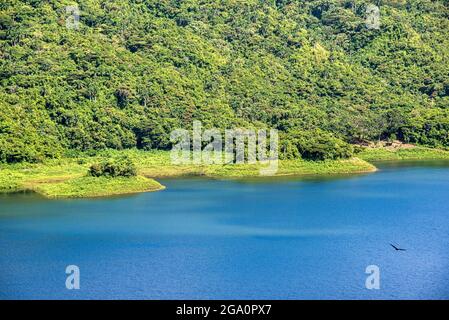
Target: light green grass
[[25, 176], [97, 187], [292, 168], [11, 181], [158, 164], [416, 153], [68, 177]]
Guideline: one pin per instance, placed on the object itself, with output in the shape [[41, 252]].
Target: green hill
[[135, 70]]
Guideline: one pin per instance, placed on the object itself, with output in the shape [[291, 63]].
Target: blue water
[[208, 239]]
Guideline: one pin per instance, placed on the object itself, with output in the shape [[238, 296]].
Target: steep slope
[[135, 70]]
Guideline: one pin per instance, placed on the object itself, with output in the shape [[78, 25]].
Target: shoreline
[[98, 187], [67, 177], [416, 153]]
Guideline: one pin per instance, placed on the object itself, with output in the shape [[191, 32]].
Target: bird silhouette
[[396, 248]]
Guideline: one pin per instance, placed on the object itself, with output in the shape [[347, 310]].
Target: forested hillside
[[136, 69]]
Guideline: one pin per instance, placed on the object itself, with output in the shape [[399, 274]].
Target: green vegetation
[[97, 187], [417, 153], [118, 167], [73, 101], [70, 178], [314, 145], [296, 167], [135, 70], [65, 177], [25, 176]]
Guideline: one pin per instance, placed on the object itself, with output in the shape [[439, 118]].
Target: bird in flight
[[396, 248]]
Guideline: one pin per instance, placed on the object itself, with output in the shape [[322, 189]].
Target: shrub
[[314, 145], [118, 167]]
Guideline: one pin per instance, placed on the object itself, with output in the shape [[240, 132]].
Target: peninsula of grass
[[158, 165], [291, 168], [26, 176], [97, 187], [409, 153], [68, 177]]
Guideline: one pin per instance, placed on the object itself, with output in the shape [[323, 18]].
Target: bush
[[119, 167], [314, 145], [428, 127]]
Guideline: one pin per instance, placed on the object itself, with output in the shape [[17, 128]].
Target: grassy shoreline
[[67, 177], [414, 153], [91, 187]]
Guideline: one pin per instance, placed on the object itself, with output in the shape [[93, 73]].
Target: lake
[[257, 239]]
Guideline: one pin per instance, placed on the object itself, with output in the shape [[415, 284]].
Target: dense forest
[[134, 70]]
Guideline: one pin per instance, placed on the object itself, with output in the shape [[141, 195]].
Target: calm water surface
[[262, 239]]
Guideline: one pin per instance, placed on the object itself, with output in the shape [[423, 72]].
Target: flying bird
[[396, 248]]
